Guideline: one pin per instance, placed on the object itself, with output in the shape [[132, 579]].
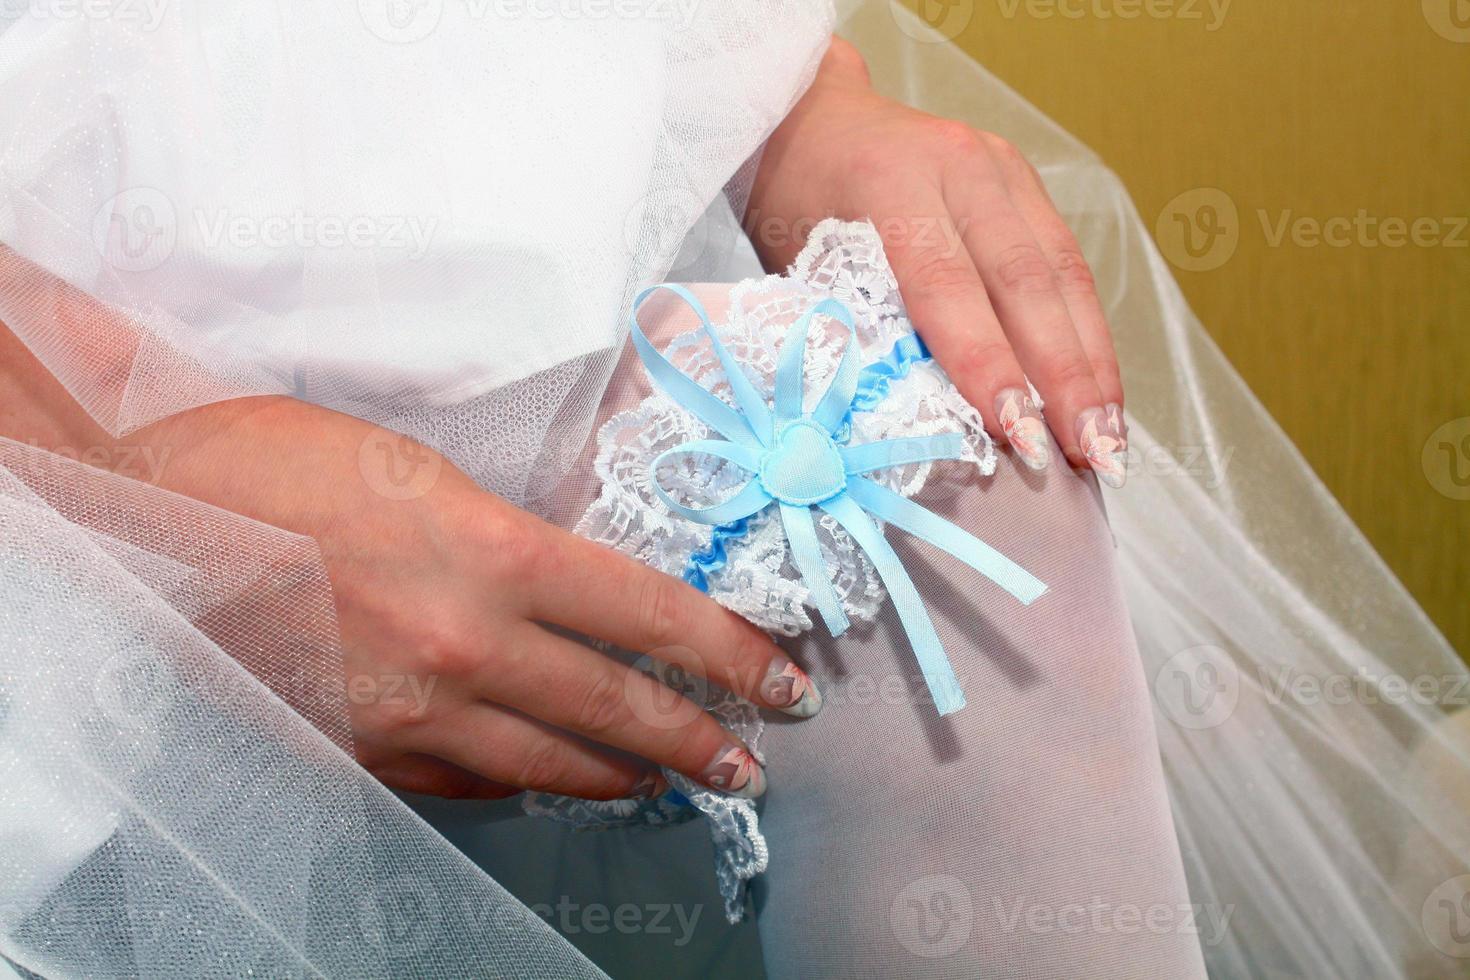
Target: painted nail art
[[1021, 422], [1100, 436], [789, 688], [652, 786], [735, 771], [1114, 413]]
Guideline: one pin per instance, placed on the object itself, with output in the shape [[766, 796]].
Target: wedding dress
[[436, 216]]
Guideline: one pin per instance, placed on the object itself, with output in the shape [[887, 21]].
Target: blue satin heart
[[804, 466]]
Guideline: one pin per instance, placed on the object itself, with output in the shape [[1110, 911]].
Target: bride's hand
[[461, 603], [454, 607], [991, 275]]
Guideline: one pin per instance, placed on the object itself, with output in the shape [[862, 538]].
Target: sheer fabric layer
[[176, 797], [1332, 828]]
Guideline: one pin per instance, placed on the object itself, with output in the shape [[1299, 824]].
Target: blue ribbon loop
[[797, 464]]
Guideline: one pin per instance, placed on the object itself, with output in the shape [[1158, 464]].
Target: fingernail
[[1115, 416], [1100, 436], [788, 688], [651, 787], [1021, 422], [735, 771]]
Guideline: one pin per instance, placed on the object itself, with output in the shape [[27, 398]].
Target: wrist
[[796, 184]]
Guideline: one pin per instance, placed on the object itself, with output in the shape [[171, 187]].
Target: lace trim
[[740, 848]]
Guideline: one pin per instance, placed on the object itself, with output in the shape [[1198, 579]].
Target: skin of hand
[[471, 598], [992, 277]]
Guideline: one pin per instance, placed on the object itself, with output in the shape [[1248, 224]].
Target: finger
[[416, 773], [504, 746], [641, 609], [950, 308], [573, 687], [1035, 318], [1073, 274]]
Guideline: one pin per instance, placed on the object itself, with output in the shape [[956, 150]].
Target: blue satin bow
[[797, 465]]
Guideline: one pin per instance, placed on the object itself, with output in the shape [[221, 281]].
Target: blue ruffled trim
[[875, 379], [874, 382], [712, 558]]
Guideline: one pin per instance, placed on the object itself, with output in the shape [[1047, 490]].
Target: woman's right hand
[[460, 604], [464, 606]]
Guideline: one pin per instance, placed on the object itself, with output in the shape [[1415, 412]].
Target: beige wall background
[[1317, 155]]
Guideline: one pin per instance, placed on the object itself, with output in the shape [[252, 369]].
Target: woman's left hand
[[992, 277]]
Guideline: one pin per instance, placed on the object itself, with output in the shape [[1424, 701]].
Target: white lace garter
[[747, 567]]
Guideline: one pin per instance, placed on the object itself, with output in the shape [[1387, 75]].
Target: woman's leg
[[1029, 834]]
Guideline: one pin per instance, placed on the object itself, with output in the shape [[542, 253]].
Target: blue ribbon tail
[[903, 512], [806, 555], [939, 675]]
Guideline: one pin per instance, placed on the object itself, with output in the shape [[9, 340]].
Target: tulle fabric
[[176, 796], [1333, 829], [243, 834]]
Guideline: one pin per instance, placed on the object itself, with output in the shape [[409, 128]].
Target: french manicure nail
[[788, 688], [1020, 421], [735, 771], [1100, 436]]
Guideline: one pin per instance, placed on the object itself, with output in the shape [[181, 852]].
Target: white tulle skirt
[[1144, 782]]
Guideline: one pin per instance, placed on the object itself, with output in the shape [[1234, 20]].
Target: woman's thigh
[[1029, 834]]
